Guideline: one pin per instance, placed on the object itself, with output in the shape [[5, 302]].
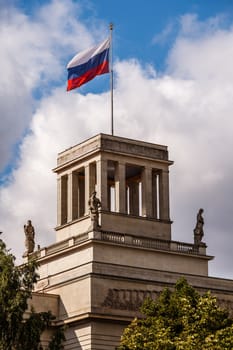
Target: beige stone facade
[[95, 277]]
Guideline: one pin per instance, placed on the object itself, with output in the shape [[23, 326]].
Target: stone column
[[92, 176], [58, 201], [134, 198], [64, 202], [81, 195], [69, 196], [102, 183], [75, 195], [164, 195], [109, 204], [120, 188], [90, 182], [155, 189], [87, 188], [147, 192]]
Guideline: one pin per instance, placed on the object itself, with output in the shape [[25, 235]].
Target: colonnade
[[121, 187]]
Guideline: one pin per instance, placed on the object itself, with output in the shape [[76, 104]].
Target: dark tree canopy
[[180, 319], [16, 286]]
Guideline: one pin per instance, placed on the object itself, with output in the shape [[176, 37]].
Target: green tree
[[16, 286], [180, 319]]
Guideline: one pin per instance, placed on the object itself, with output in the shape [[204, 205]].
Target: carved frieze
[[226, 304], [127, 299], [132, 299]]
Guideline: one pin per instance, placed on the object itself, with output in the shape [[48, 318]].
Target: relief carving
[[132, 299], [226, 304], [41, 285], [127, 299]]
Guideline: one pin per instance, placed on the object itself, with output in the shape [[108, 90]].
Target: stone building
[[110, 255]]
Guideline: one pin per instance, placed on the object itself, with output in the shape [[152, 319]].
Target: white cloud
[[162, 37], [203, 52], [34, 53], [59, 122], [189, 108]]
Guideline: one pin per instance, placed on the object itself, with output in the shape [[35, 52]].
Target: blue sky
[[172, 85]]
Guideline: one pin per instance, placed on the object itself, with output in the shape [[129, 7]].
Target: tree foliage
[[180, 319], [16, 286]]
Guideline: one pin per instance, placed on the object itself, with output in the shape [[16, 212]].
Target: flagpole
[[111, 77]]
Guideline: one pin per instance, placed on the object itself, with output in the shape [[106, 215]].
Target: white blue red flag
[[87, 64]]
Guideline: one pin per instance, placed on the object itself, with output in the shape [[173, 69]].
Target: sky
[[173, 85]]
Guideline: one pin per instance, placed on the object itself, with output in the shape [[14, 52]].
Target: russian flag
[[87, 64]]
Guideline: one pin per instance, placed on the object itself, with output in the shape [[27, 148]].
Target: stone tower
[[97, 274], [131, 181]]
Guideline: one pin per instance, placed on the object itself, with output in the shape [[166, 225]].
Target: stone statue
[[198, 231], [94, 205], [29, 238]]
